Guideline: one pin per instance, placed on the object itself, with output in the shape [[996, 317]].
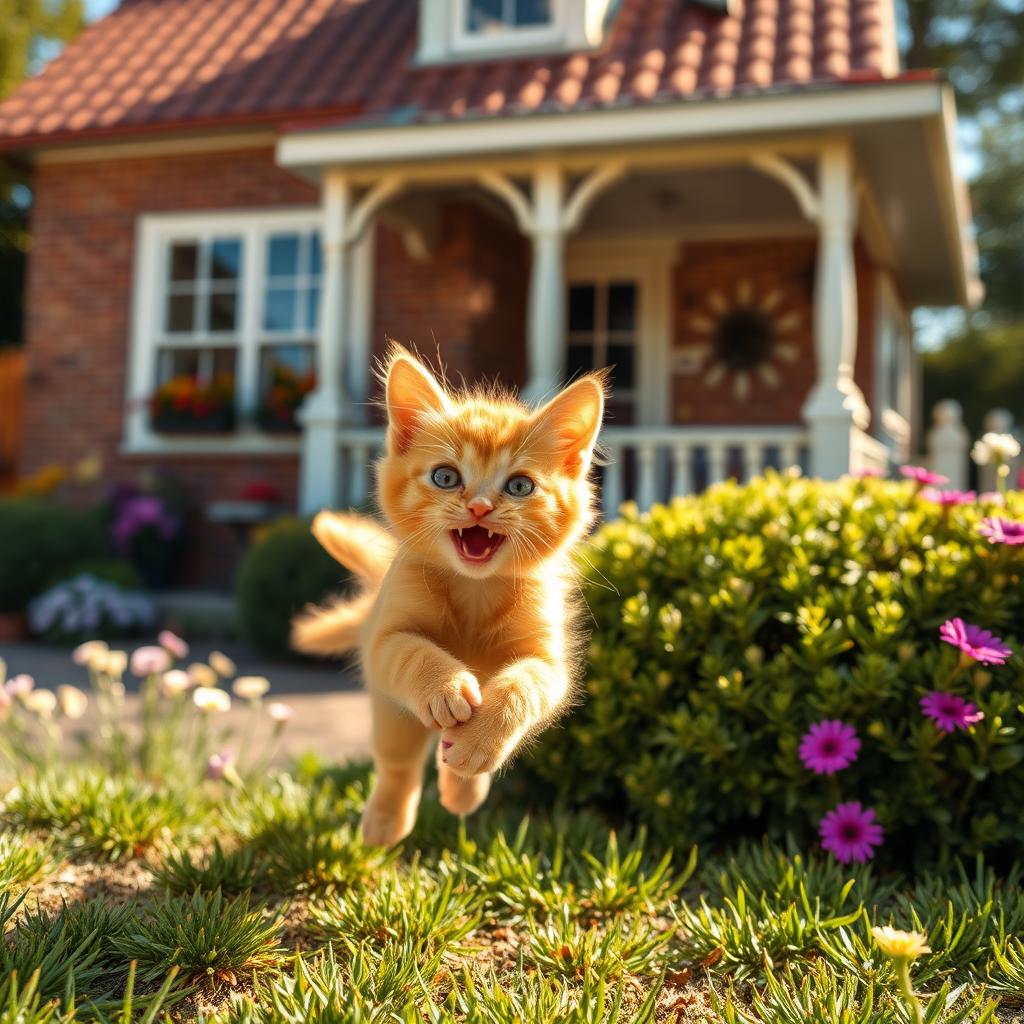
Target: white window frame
[[512, 39], [153, 235], [893, 341]]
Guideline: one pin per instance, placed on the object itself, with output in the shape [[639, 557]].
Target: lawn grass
[[216, 903]]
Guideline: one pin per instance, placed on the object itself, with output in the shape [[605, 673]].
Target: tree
[[27, 29]]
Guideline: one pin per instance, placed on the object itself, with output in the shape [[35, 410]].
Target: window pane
[[184, 261], [313, 309], [621, 306], [223, 311], [283, 255], [314, 254], [533, 12], [482, 15], [181, 313], [580, 360], [581, 307], [225, 259], [622, 358], [279, 314], [287, 375]]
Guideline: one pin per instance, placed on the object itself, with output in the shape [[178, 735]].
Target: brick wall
[[467, 301], [777, 272]]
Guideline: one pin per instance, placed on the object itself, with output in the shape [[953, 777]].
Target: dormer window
[[495, 17], [455, 30]]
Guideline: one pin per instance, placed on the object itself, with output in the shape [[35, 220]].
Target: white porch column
[[546, 322], [322, 413], [836, 407]]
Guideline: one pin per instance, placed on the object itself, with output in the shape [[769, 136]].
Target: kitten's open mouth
[[476, 543]]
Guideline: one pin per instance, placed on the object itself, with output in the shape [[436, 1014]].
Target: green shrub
[[283, 572], [112, 570], [40, 544], [727, 624]]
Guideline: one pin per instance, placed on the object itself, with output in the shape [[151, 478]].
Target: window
[[227, 311], [489, 17], [603, 332]]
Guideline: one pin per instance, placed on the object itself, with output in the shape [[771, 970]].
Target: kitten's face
[[483, 486]]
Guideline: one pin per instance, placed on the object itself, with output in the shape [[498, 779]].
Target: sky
[[97, 8]]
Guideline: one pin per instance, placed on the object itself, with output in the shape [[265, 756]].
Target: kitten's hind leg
[[400, 745], [459, 795]]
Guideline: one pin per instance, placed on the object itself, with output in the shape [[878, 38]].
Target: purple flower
[[949, 712], [924, 477], [20, 686], [948, 498], [138, 513], [991, 498], [1002, 531], [977, 643], [849, 832], [829, 746]]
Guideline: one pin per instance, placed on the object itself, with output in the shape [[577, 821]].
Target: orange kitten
[[464, 622]]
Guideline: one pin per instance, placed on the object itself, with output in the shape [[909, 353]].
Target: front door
[[617, 317]]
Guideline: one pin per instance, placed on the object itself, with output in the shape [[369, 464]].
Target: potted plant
[[186, 405], [282, 399]]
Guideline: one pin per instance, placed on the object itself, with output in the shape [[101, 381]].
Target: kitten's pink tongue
[[475, 544]]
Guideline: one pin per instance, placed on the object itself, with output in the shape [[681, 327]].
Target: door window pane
[[533, 12], [621, 306], [581, 360], [581, 307], [283, 255], [621, 358], [279, 312]]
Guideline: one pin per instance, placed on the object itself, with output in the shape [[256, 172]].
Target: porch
[[594, 219]]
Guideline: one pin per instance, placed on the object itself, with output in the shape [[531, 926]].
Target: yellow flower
[[89, 653], [250, 687], [201, 675], [900, 945], [41, 702], [208, 698], [88, 469], [73, 702], [222, 665], [111, 663]]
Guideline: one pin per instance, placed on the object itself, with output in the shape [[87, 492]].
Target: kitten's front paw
[[483, 744], [452, 702]]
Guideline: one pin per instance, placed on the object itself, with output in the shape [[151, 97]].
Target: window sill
[[243, 442]]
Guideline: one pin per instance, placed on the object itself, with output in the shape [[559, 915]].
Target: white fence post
[[948, 442]]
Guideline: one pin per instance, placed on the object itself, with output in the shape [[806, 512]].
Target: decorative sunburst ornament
[[742, 335]]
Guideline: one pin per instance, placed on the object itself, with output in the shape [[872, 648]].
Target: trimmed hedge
[[284, 570], [726, 625], [42, 543]]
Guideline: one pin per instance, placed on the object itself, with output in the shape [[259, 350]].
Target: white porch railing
[[643, 464]]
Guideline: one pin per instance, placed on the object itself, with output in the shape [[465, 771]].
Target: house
[[237, 201]]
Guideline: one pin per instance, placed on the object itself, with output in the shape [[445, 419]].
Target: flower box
[[222, 421], [272, 423]]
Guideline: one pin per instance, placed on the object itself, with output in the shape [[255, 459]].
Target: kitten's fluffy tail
[[363, 547]]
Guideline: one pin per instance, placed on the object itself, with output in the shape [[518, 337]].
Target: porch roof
[[159, 65]]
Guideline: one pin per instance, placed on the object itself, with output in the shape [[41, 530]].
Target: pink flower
[[218, 764], [867, 473], [991, 498], [924, 477], [948, 498], [1002, 531], [849, 832], [949, 712], [173, 644], [977, 643], [19, 686], [829, 746], [150, 661]]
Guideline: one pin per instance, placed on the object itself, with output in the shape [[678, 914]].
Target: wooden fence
[[12, 398]]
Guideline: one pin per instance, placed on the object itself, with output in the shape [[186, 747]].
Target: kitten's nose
[[480, 506]]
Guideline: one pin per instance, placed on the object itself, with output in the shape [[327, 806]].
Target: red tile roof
[[163, 64]]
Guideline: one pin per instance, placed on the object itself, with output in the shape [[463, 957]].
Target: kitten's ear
[[410, 392], [572, 420]]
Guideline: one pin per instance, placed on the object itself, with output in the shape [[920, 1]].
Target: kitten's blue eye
[[519, 486], [445, 477]]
